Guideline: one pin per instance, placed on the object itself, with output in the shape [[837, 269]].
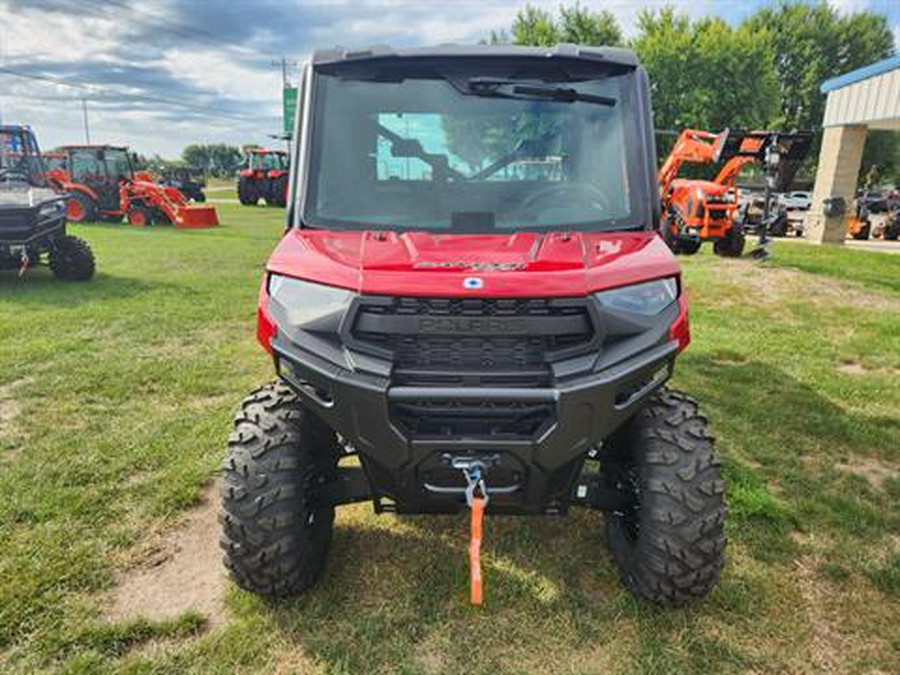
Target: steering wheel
[[589, 195], [13, 174]]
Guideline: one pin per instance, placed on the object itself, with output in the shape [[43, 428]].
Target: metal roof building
[[869, 96], [863, 99]]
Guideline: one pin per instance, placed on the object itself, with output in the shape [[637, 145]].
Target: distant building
[[863, 99]]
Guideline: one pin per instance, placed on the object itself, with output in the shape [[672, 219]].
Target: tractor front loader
[[102, 184], [697, 210]]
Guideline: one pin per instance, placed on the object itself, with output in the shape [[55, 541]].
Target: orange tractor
[[102, 185], [263, 175], [697, 210]]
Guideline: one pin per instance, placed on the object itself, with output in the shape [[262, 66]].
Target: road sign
[[289, 100]]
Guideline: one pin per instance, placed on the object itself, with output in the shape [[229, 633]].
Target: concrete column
[[836, 176]]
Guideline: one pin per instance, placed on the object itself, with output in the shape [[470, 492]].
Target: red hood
[[521, 264]]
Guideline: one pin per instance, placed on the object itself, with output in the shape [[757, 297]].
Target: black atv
[[33, 214]]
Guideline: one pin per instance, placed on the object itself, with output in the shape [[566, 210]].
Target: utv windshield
[[476, 152], [20, 160]]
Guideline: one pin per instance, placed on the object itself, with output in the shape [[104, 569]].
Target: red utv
[[263, 175], [473, 300], [102, 184]]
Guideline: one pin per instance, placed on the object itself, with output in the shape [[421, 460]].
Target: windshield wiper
[[493, 87]]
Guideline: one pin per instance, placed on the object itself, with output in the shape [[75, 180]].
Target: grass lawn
[[115, 402]]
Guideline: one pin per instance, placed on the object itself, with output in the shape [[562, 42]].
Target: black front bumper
[[412, 473]]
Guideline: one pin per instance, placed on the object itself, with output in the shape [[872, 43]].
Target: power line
[[136, 97], [176, 27]]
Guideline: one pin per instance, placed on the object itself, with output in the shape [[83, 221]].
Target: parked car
[[796, 201], [876, 201]]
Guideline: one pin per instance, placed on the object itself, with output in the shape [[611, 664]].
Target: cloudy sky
[[159, 74]]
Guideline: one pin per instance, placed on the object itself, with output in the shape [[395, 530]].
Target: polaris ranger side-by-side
[[473, 299], [33, 214]]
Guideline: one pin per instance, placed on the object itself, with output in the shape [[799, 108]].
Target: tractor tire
[[278, 192], [80, 208], [677, 243], [669, 545], [673, 241], [139, 217], [892, 233], [274, 534], [690, 246], [160, 217], [731, 245], [71, 259], [247, 194]]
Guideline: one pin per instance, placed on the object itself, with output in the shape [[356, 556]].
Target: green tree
[[217, 159], [664, 45], [534, 26], [575, 24], [705, 74], [811, 43], [578, 25]]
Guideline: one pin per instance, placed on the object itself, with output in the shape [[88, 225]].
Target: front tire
[[71, 259], [138, 216], [275, 534], [732, 244], [669, 544]]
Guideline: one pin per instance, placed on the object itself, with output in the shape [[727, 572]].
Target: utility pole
[[87, 130], [285, 64], [285, 82]]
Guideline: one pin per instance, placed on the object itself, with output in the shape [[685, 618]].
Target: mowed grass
[[115, 402]]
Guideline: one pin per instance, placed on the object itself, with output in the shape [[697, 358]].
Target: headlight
[[648, 298], [306, 305], [51, 209]]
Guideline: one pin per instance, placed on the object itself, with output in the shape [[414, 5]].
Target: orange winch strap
[[475, 549]]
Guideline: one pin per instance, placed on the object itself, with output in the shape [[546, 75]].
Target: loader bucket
[[194, 217]]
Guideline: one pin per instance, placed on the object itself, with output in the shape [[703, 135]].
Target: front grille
[[492, 338], [456, 419], [472, 342], [15, 224]]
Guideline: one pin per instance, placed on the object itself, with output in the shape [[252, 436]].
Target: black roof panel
[[612, 55]]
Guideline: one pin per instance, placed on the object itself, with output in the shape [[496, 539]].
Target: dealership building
[[863, 99]]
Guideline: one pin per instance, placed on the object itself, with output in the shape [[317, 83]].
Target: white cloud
[[210, 70]]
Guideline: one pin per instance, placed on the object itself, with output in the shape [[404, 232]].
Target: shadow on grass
[[550, 584], [389, 596], [38, 287], [781, 439]]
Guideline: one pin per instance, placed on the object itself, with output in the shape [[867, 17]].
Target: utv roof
[[261, 151], [611, 55]]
